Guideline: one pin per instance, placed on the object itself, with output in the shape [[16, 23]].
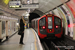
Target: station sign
[[18, 5], [14, 4], [30, 6]]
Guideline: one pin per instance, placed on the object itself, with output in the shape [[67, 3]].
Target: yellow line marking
[[35, 39]]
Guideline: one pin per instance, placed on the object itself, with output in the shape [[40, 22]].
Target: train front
[[50, 26]]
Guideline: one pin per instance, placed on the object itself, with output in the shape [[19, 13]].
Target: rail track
[[56, 45]]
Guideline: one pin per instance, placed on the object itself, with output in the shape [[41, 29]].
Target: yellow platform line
[[35, 39]]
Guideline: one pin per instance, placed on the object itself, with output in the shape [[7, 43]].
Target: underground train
[[48, 26]]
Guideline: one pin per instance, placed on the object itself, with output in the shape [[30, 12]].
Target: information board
[[18, 5]]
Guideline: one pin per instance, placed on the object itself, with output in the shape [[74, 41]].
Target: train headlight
[[56, 26], [43, 27], [50, 30]]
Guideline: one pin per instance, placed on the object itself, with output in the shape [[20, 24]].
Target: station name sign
[[29, 6], [18, 5], [14, 3]]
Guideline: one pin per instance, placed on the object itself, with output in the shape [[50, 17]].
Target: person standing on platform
[[22, 29]]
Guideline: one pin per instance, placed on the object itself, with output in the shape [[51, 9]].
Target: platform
[[31, 42]]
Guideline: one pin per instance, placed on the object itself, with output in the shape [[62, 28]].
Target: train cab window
[[57, 21], [42, 22], [49, 22], [42, 25]]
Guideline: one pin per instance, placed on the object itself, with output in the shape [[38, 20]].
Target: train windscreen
[[49, 22], [57, 24], [42, 25], [57, 21], [42, 22]]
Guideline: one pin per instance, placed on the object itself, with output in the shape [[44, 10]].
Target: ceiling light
[[14, 6], [27, 14], [28, 2], [17, 6]]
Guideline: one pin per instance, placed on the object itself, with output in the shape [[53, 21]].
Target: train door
[[50, 24]]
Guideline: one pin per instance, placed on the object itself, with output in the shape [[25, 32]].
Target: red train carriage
[[48, 26]]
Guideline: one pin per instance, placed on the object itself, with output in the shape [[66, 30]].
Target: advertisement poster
[[8, 27], [73, 23], [14, 26], [71, 5]]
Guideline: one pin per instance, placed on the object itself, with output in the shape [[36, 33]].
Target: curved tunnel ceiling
[[38, 12], [5, 8], [46, 5]]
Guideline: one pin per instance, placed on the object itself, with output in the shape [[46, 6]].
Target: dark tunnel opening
[[32, 16]]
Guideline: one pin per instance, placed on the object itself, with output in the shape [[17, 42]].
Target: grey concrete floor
[[13, 42]]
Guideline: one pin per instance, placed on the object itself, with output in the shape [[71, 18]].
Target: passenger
[[22, 30]]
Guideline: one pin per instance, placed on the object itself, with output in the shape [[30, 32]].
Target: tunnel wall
[[68, 19], [71, 6], [32, 16]]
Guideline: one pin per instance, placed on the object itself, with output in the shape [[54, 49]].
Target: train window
[[57, 21], [49, 22], [42, 22]]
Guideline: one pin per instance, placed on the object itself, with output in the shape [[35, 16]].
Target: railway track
[[56, 45]]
